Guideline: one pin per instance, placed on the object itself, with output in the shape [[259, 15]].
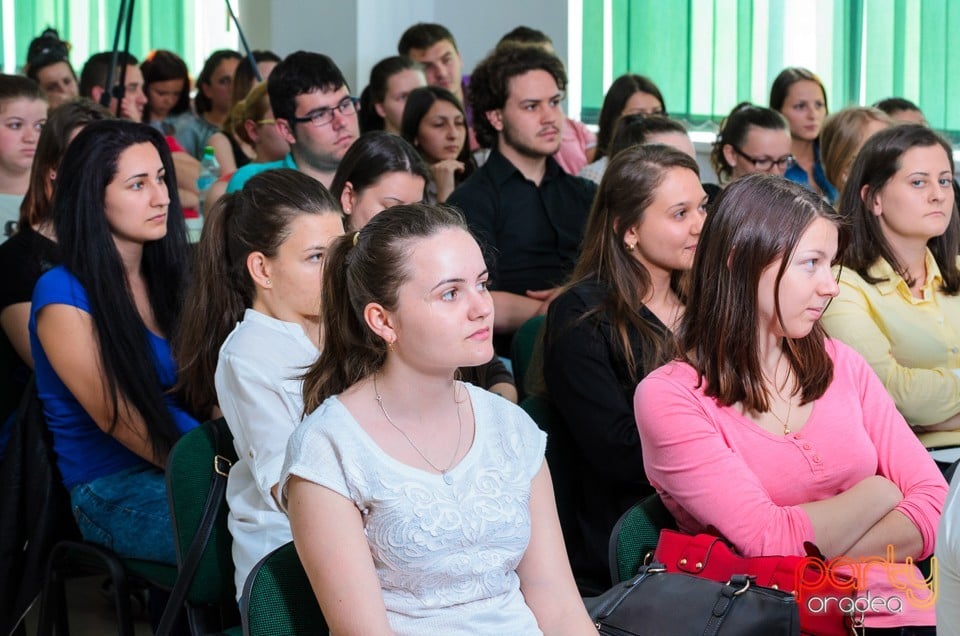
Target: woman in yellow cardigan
[[899, 304]]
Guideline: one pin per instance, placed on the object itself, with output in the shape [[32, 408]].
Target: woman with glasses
[[751, 139], [799, 96], [899, 303], [844, 133]]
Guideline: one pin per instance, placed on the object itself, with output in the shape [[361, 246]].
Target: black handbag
[[659, 603]]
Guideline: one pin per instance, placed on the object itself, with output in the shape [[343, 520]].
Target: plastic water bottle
[[209, 172]]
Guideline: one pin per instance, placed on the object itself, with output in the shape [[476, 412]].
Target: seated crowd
[[772, 355]]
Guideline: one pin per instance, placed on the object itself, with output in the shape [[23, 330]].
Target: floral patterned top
[[446, 555]]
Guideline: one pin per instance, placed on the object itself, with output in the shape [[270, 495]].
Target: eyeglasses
[[264, 122], [323, 116], [785, 163]]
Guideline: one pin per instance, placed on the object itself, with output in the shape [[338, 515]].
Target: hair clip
[[356, 237]]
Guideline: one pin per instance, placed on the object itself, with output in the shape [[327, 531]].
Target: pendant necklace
[[786, 421], [444, 472]]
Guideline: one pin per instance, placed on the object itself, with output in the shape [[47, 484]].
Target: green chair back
[[278, 600], [635, 536], [190, 469], [522, 351]]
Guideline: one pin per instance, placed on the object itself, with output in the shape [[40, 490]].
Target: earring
[[269, 282], [390, 347], [629, 247]]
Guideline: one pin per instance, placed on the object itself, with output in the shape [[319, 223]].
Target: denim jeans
[[128, 513]]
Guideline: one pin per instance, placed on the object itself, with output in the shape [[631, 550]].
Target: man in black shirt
[[528, 214]]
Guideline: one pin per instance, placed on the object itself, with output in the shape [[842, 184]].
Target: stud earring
[[269, 283], [629, 247]]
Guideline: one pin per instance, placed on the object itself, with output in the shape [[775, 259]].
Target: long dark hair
[[162, 66], [419, 102], [371, 156], [37, 206], [787, 78], [255, 219], [361, 268], [754, 221], [89, 252], [877, 161], [619, 93], [628, 187]]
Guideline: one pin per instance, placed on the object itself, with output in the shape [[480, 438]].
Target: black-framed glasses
[[765, 163], [323, 116]]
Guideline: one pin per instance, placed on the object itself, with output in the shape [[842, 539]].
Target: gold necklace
[[784, 422], [444, 472]]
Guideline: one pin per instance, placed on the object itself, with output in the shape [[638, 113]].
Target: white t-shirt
[[446, 555], [259, 392]]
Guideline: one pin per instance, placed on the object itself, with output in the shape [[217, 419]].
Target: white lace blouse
[[446, 555]]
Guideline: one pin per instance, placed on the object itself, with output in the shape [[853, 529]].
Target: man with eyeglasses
[[314, 112], [526, 211]]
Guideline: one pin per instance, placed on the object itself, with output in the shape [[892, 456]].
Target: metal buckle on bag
[[221, 465]]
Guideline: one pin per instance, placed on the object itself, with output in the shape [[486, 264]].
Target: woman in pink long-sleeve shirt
[[769, 433]]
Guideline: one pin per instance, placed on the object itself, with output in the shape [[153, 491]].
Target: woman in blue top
[[98, 329], [798, 94]]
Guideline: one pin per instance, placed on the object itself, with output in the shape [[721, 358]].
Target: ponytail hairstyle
[[366, 267], [255, 219], [162, 66], [89, 252]]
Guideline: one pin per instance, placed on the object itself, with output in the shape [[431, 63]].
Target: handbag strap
[[728, 594], [211, 506]]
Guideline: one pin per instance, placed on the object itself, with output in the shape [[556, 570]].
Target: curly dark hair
[[489, 84]]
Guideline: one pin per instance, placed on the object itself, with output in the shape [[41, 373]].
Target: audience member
[[314, 113], [433, 46], [255, 299], [607, 329], [628, 95], [33, 249], [527, 213], [379, 171], [166, 83], [93, 84], [244, 81], [252, 122], [244, 78], [98, 329], [578, 145], [632, 130], [899, 304], [436, 124], [844, 133], [382, 101], [48, 64], [751, 139], [740, 433], [214, 96], [901, 110], [23, 111], [395, 444], [799, 96]]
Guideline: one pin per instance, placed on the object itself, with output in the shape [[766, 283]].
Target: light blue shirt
[[241, 176]]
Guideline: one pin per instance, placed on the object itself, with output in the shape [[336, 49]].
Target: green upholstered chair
[[635, 536], [522, 351], [205, 453], [278, 600]]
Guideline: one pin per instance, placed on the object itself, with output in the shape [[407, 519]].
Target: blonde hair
[[254, 106], [842, 137]]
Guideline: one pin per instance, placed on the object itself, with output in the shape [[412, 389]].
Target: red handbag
[[822, 595]]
